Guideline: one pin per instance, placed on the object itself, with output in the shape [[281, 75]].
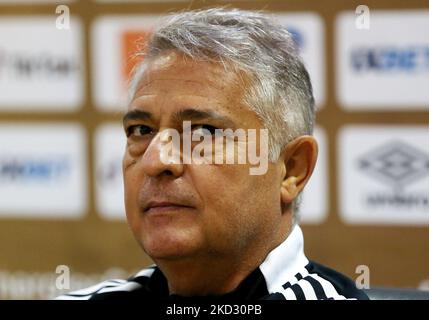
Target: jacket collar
[[284, 261]]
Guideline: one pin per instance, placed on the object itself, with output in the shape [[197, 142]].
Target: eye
[[203, 129], [138, 130]]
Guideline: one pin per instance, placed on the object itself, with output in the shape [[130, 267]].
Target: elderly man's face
[[188, 210]]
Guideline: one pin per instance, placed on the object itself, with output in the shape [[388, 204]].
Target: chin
[[168, 246]]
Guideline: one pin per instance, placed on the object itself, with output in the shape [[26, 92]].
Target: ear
[[299, 156]]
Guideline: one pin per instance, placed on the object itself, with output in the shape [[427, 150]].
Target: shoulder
[[342, 284], [114, 288], [331, 281], [318, 282]]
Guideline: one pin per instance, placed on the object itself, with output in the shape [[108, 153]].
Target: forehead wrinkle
[[208, 82], [150, 98], [217, 74]]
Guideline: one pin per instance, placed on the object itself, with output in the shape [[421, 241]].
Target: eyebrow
[[180, 116], [196, 114], [136, 115]]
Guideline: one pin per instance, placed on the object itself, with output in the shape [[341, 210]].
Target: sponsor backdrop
[[63, 70]]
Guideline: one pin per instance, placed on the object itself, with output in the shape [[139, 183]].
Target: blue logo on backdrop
[[297, 36], [405, 59], [24, 65], [19, 169], [110, 172]]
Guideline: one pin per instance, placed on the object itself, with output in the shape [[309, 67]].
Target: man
[[214, 229]]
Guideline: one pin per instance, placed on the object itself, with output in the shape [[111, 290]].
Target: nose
[[158, 159]]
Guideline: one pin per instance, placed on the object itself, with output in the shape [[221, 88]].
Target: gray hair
[[280, 91]]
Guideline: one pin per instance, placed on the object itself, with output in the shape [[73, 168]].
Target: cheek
[[131, 192], [232, 196], [127, 162], [137, 148], [227, 194], [133, 152]]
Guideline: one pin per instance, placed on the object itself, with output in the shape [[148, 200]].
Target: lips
[[161, 206], [156, 196]]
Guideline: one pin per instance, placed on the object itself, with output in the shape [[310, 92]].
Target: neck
[[203, 277], [215, 274]]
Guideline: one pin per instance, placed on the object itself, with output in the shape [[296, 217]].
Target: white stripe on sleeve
[[130, 286]]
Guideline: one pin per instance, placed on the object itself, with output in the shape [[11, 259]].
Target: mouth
[[164, 206]]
